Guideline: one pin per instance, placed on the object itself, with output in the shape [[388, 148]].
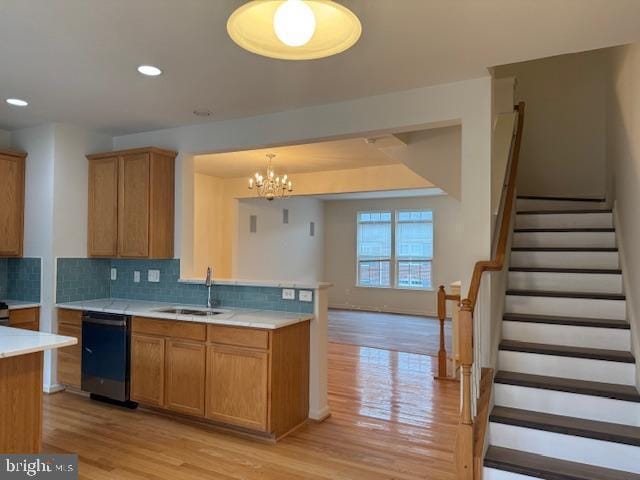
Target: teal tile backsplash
[[85, 279], [20, 279]]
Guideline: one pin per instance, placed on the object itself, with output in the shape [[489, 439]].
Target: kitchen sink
[[189, 311]]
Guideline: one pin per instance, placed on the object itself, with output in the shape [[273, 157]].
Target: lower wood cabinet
[[185, 367], [238, 386], [25, 318], [70, 358], [147, 369], [249, 378]]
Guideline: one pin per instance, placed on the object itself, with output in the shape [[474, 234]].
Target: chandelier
[[270, 185]]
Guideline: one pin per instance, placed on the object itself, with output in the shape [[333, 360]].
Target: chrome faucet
[[208, 283]]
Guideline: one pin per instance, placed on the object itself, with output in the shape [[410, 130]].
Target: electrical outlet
[[154, 276], [288, 294], [305, 296], [136, 276], [114, 274]]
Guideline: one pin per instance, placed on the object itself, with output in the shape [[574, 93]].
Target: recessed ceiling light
[[149, 70], [17, 102], [294, 29], [202, 112]]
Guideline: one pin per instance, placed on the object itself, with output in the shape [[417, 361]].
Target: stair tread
[[524, 463], [561, 294], [614, 391], [607, 271], [563, 212], [566, 351], [564, 249], [573, 321], [566, 230], [579, 427], [560, 199]]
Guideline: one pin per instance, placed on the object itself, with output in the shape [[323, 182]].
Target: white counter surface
[[19, 304], [16, 341], [265, 319]]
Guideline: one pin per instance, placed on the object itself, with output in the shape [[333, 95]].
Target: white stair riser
[[523, 205], [564, 239], [493, 474], [566, 282], [569, 335], [567, 367], [589, 407], [566, 447], [565, 220], [566, 307], [565, 259]]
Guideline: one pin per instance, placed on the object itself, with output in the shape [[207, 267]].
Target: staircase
[[566, 405]]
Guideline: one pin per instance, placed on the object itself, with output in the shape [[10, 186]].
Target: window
[[414, 248], [403, 254], [374, 249]]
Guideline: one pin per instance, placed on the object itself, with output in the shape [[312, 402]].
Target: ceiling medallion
[[294, 29], [270, 185]]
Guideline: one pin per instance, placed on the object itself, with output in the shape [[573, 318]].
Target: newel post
[[464, 447], [442, 315]]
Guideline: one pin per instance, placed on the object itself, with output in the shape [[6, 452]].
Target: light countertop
[[266, 319], [19, 304], [261, 283], [16, 341]]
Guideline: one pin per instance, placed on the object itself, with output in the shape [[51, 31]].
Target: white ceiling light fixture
[[149, 70], [17, 102], [294, 29], [270, 185]]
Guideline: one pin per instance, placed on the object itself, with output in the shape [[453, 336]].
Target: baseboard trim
[[49, 389], [397, 311]]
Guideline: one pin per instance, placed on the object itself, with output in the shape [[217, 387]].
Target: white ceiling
[[75, 60], [312, 157]]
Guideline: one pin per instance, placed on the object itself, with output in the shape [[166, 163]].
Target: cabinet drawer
[[70, 317], [170, 328], [28, 318], [238, 336]]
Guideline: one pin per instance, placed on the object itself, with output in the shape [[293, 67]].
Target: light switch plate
[[136, 276], [306, 296], [154, 276], [288, 294], [114, 274]]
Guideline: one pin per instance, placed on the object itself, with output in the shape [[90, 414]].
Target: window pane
[[374, 240], [414, 240], [374, 274], [413, 274]]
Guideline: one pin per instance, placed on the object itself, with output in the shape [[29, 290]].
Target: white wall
[[55, 206], [340, 255], [623, 152], [279, 251], [5, 139], [563, 149]]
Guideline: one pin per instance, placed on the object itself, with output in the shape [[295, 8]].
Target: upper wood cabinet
[[131, 203], [12, 205]]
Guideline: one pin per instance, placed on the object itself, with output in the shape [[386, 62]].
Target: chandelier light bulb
[[294, 23]]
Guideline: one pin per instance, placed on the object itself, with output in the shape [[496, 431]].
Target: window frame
[[394, 259]]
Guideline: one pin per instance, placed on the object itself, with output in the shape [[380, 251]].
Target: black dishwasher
[[106, 357]]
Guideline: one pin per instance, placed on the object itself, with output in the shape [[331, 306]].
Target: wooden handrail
[[468, 455], [497, 262]]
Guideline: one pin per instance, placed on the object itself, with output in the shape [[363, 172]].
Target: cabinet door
[[237, 386], [70, 358], [103, 207], [133, 206], [26, 318], [12, 205], [185, 365], [147, 370]]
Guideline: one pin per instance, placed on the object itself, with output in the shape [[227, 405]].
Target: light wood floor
[[390, 421], [402, 333]]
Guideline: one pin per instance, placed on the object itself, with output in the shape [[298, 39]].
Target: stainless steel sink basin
[[189, 311]]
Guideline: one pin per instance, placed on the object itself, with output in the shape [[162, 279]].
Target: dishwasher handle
[[105, 321]]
